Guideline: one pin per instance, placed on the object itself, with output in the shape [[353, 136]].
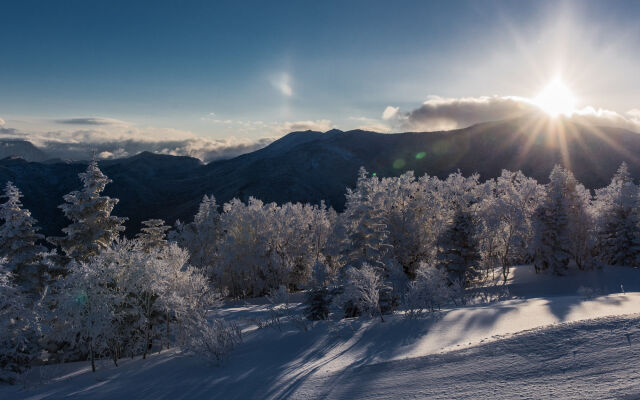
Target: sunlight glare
[[556, 99]]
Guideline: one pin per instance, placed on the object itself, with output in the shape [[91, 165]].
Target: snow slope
[[546, 346]]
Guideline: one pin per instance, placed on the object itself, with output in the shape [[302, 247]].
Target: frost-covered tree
[[18, 329], [85, 309], [153, 234], [563, 224], [505, 215], [430, 290], [202, 236], [618, 209], [127, 301], [362, 291], [366, 231], [93, 228], [265, 246], [19, 240], [458, 252], [318, 298]]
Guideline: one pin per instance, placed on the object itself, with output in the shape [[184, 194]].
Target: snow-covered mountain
[[313, 166]]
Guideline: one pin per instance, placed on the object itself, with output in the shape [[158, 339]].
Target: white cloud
[[439, 113], [389, 112], [122, 139], [635, 114], [322, 125], [90, 121], [371, 124], [282, 83], [1, 122]]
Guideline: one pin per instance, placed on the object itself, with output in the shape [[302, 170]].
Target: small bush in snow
[[429, 291], [214, 340], [362, 291]]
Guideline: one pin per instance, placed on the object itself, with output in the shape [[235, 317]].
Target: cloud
[[635, 113], [439, 113], [282, 83], [90, 121], [371, 124], [1, 122], [389, 112], [296, 126], [115, 139]]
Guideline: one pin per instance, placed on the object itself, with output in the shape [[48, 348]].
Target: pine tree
[[153, 235], [318, 299], [19, 240], [619, 220], [93, 228], [18, 329], [367, 234], [551, 242], [201, 236], [458, 252]]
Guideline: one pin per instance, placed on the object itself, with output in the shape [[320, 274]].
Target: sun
[[556, 99]]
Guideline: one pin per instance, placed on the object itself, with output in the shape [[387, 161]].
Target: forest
[[403, 244]]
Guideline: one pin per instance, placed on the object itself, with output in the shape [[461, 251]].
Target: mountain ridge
[[311, 166]]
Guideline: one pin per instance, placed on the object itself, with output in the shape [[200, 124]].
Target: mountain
[[21, 148], [313, 166]]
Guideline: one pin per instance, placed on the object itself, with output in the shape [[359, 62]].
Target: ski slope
[[544, 344]]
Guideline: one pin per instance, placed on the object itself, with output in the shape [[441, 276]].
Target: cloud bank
[[90, 121], [439, 113], [110, 138], [116, 139]]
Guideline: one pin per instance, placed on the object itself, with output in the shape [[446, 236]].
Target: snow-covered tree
[[202, 236], [18, 329], [362, 291], [367, 235], [93, 228], [430, 290], [19, 240], [84, 312], [153, 234], [505, 215], [265, 246], [127, 301], [618, 208], [318, 298], [563, 224], [458, 252]]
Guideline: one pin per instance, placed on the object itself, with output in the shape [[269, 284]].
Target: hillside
[[555, 345], [313, 166]]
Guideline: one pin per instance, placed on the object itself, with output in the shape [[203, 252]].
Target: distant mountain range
[[313, 166]]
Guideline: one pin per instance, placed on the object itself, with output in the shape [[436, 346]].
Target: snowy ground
[[549, 342]]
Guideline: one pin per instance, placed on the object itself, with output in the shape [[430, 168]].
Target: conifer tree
[[93, 228], [458, 252], [153, 235], [619, 220], [551, 244], [19, 239], [201, 236], [18, 329]]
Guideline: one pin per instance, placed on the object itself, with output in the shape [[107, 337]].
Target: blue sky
[[254, 69]]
